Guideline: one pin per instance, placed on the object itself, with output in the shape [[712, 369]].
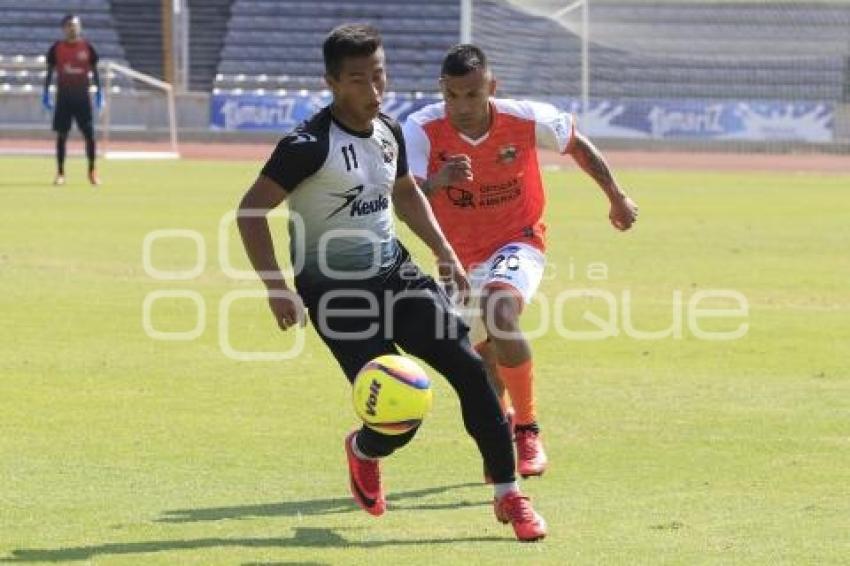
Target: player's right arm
[[264, 196], [297, 156], [454, 169]]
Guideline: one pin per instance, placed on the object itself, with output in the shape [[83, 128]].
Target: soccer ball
[[392, 394]]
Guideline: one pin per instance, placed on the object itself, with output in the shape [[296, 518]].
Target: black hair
[[462, 59], [68, 18], [349, 40]]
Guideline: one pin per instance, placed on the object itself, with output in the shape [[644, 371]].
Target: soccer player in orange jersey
[[475, 156], [73, 59]]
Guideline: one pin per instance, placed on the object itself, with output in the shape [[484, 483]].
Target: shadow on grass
[[303, 538], [315, 506]]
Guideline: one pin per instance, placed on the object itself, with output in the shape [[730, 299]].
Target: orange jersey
[[504, 202]]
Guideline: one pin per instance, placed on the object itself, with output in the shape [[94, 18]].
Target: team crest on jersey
[[387, 151], [82, 56], [507, 154]]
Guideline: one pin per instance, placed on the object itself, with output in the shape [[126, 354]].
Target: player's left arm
[[557, 130], [95, 76], [623, 211], [413, 209]]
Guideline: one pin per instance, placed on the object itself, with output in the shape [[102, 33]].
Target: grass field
[[116, 448]]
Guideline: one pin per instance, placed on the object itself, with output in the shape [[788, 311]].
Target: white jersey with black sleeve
[[339, 189]]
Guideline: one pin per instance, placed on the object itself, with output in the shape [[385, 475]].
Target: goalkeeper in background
[[73, 59]]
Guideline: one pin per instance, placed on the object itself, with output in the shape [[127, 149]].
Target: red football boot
[[531, 459], [516, 509], [365, 481]]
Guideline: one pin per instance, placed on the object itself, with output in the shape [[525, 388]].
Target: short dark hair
[[349, 40], [68, 17], [462, 59]]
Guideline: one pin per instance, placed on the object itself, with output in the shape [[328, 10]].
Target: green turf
[[119, 449]]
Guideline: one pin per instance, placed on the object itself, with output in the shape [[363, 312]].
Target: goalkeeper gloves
[[46, 103]]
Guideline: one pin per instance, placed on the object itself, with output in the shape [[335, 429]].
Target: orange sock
[[519, 382]]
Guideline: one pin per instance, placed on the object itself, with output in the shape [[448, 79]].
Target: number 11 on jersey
[[346, 150]]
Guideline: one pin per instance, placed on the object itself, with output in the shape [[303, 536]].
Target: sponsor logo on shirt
[[69, 69], [500, 193], [364, 207], [359, 207], [460, 197], [488, 196]]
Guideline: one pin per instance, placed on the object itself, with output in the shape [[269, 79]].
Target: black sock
[[60, 153], [373, 444], [90, 152], [534, 427]]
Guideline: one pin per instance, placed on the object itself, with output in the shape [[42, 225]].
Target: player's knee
[[501, 310]]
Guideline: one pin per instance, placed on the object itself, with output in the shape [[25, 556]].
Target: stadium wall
[[201, 116]]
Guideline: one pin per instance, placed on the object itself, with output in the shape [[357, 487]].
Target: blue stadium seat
[[30, 31], [31, 27], [675, 55], [283, 38], [667, 50]]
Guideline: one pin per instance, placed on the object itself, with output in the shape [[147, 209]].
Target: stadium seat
[[283, 39], [669, 50]]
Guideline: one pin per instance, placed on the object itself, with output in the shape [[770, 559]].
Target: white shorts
[[516, 267]]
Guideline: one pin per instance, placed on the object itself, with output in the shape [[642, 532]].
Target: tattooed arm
[[623, 209]]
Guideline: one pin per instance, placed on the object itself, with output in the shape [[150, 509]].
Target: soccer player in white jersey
[[475, 156], [342, 172]]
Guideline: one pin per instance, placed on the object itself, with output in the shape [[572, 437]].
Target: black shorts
[[404, 308], [72, 108]]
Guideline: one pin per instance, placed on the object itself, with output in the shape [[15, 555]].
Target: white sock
[[357, 451], [501, 489]]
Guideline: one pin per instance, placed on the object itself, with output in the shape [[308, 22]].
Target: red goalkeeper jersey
[[73, 62]]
